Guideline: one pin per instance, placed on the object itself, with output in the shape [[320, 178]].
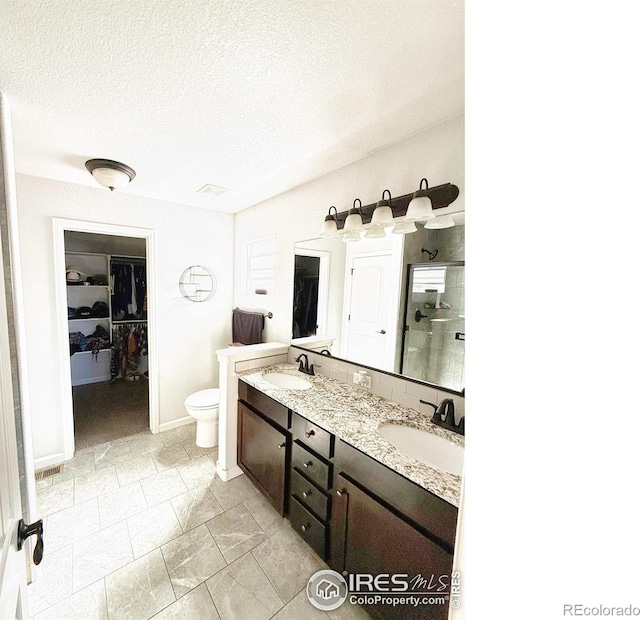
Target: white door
[[13, 566], [370, 320]]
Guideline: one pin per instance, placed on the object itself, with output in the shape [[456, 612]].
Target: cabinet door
[[369, 538], [262, 455]]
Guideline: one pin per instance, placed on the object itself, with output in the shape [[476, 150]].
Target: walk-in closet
[[106, 283]]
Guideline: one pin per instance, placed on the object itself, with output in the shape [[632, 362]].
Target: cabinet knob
[[306, 493], [304, 528], [307, 464], [309, 433], [282, 445], [340, 493]]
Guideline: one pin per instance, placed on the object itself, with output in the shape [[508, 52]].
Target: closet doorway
[[106, 280]]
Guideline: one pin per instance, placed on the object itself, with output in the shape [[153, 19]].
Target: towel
[[247, 327]]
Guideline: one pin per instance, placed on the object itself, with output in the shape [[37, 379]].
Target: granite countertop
[[354, 415]]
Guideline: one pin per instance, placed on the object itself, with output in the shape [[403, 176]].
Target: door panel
[[368, 320], [262, 455], [13, 567], [377, 541]]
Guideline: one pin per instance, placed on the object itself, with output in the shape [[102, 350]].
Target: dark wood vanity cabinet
[[264, 444], [311, 480], [356, 513], [382, 523]]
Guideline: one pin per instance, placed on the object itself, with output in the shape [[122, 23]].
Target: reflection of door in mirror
[[310, 285], [433, 347], [369, 336]]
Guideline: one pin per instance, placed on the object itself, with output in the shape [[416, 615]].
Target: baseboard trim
[[227, 474], [167, 426], [49, 461]]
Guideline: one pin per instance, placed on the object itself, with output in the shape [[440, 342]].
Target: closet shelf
[[127, 275], [87, 286]]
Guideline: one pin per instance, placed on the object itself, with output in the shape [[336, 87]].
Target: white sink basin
[[431, 449], [290, 382]]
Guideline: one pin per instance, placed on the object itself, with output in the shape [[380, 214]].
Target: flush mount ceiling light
[[420, 207], [330, 224], [109, 173]]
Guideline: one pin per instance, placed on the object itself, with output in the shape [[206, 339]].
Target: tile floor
[[141, 527]]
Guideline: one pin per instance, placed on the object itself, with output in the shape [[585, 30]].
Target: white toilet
[[204, 407]]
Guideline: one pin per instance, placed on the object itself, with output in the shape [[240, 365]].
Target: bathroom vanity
[[359, 503]]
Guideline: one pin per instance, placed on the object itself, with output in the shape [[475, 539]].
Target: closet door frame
[[61, 225]]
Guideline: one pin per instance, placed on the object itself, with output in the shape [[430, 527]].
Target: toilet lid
[[203, 399]]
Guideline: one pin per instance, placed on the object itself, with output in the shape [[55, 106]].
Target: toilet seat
[[204, 399]]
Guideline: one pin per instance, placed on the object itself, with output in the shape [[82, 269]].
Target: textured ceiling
[[254, 96]]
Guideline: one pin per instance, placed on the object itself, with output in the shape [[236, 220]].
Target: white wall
[[436, 153], [189, 332]]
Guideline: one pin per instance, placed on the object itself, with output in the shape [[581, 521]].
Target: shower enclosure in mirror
[[433, 340], [394, 304]]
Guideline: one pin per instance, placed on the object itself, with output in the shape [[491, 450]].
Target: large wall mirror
[[394, 304]]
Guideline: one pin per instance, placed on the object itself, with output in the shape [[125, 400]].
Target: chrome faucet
[[304, 364], [446, 408]]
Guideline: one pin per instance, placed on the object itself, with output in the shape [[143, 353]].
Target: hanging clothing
[[128, 345], [128, 290]]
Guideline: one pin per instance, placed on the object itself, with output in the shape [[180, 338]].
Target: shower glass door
[[433, 344]]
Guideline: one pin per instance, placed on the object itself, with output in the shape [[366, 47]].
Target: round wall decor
[[197, 283]]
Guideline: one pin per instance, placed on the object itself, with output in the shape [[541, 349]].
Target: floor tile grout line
[[97, 500], [175, 596]]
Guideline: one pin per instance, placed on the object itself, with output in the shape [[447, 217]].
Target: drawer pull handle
[[282, 445], [340, 493], [307, 464], [309, 433], [306, 493], [304, 528]]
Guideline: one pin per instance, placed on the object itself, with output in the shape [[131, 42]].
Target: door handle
[[24, 531], [381, 332]]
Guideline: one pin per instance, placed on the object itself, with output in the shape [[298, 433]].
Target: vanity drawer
[[312, 531], [312, 466], [268, 407], [309, 495], [315, 437]]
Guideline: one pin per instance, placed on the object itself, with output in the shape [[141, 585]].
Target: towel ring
[[197, 283]]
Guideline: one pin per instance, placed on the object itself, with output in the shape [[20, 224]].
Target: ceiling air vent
[[212, 190]]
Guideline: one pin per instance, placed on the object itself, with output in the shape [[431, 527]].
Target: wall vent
[[41, 474]]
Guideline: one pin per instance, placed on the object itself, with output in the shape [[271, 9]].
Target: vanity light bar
[[441, 196]]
